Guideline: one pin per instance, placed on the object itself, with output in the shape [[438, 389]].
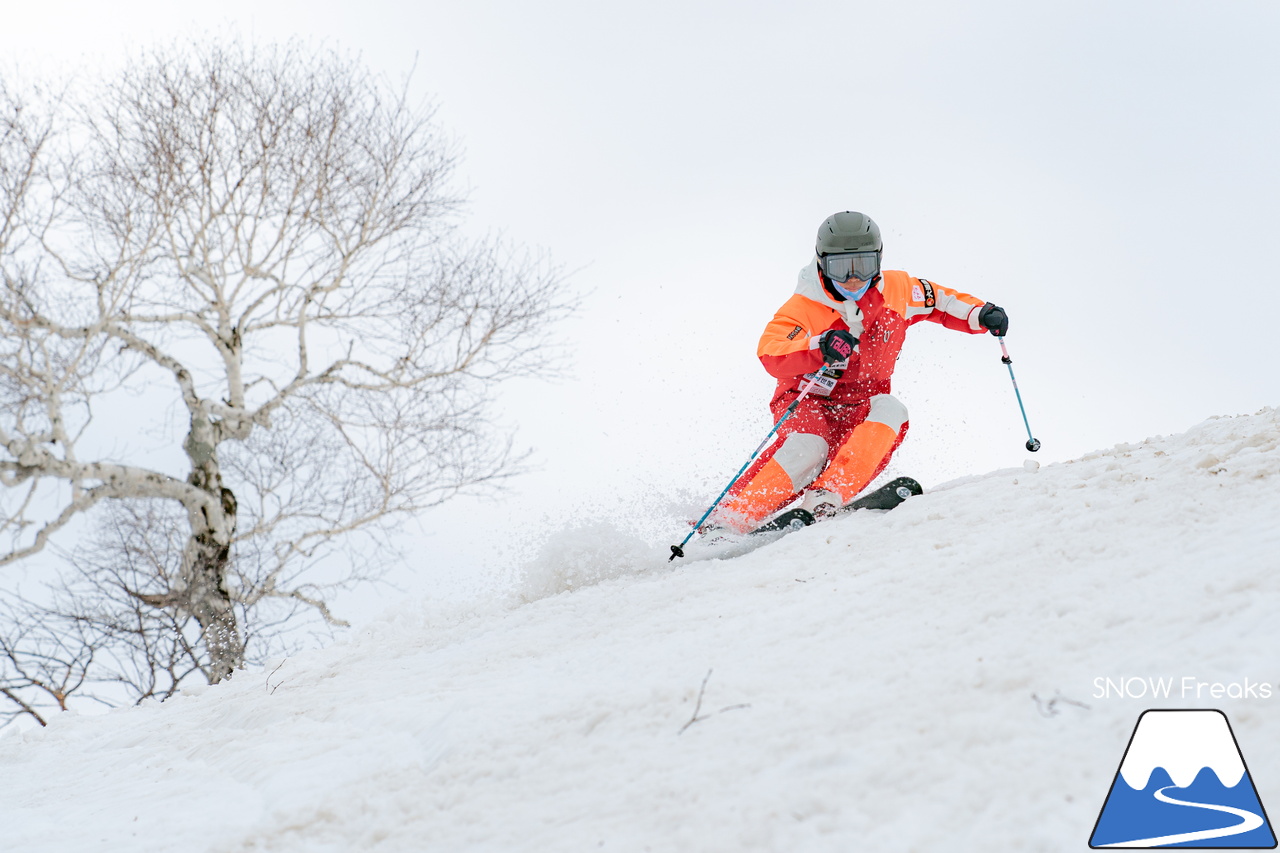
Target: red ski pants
[[838, 446]]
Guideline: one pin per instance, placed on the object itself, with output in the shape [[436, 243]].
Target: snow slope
[[917, 680]]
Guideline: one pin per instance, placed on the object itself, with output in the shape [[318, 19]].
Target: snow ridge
[[878, 682]]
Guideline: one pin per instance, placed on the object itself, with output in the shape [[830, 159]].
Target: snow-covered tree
[[263, 239]]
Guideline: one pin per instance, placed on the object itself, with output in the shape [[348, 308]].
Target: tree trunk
[[204, 568], [207, 555]]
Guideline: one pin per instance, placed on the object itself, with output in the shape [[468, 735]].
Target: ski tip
[[911, 485], [887, 496], [676, 551]]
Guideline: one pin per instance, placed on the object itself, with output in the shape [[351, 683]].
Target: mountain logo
[[1183, 783]]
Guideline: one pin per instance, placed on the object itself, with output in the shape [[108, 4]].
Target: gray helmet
[[848, 232]]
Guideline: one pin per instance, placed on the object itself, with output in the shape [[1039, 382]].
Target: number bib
[[824, 386]]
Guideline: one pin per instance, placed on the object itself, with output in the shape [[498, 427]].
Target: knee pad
[[888, 410], [803, 456]]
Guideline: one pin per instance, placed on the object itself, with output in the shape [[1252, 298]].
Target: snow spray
[[678, 550]]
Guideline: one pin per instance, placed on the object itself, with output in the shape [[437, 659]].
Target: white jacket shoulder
[[807, 285]]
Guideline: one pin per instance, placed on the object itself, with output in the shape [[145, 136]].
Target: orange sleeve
[[784, 347], [917, 299]]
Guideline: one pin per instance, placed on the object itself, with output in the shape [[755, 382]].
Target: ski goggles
[[841, 267]]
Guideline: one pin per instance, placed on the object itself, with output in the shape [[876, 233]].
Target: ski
[[792, 519], [886, 497], [722, 545]]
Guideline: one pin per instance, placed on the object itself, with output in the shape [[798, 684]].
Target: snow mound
[[924, 679], [582, 555]]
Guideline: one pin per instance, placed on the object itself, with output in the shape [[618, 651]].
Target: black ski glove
[[836, 345], [992, 317]]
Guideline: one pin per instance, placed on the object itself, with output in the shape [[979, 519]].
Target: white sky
[[1106, 171]]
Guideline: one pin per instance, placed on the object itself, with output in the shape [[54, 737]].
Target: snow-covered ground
[[920, 680]]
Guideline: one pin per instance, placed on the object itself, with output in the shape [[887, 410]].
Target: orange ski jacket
[[879, 320]]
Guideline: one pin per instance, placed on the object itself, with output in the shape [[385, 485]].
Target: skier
[[852, 317]]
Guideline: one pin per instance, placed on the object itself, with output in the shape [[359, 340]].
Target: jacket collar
[[809, 286]]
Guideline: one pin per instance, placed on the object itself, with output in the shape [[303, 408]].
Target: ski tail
[[792, 519]]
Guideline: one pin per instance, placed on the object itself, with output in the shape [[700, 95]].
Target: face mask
[[853, 295]]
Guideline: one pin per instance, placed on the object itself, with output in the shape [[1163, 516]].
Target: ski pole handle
[[1033, 443]]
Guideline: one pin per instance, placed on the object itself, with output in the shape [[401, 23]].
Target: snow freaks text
[[1186, 687]]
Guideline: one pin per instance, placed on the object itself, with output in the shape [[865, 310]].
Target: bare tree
[[263, 239]]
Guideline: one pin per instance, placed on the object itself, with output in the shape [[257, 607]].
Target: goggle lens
[[860, 265]]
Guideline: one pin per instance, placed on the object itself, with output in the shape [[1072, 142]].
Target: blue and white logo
[[1183, 783]]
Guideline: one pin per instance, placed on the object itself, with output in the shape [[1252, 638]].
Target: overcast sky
[[1106, 171]]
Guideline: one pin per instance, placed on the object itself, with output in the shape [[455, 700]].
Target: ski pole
[[678, 550], [1033, 443]]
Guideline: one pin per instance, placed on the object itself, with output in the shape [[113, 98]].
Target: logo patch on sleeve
[[917, 295], [797, 330], [930, 299]]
